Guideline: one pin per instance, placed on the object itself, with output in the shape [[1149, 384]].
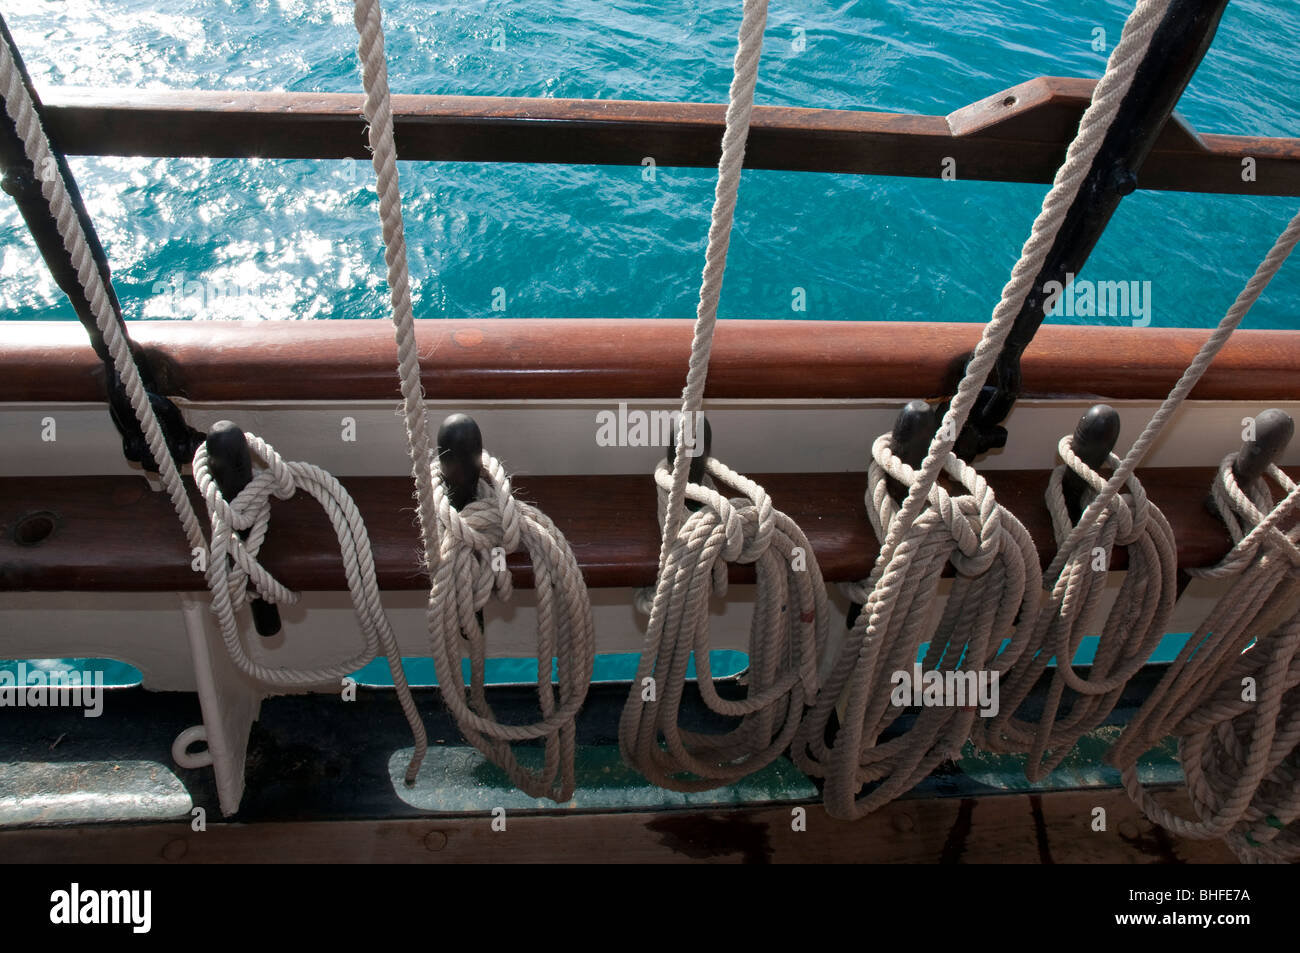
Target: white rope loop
[[891, 581], [789, 627], [1129, 633], [995, 562], [251, 511], [470, 571], [1239, 748], [458, 545]]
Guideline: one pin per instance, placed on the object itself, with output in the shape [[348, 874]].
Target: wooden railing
[[1017, 135]]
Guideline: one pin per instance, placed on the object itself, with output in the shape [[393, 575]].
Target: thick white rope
[[693, 552], [379, 115], [1110, 91], [892, 576], [36, 144], [1239, 749], [457, 546], [995, 582], [1130, 632], [1285, 243], [251, 510], [789, 627], [471, 569]]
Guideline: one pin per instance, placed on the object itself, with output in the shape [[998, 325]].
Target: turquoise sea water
[[300, 239]]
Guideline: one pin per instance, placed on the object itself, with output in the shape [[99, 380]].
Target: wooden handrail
[[626, 359], [113, 534], [1016, 135]]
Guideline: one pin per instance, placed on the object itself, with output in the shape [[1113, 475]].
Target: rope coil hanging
[[469, 571], [995, 561], [789, 626], [890, 580], [251, 511], [1232, 696], [453, 542], [694, 550], [18, 104], [1133, 627]]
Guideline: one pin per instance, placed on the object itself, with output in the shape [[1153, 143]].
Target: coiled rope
[[1232, 697], [693, 552], [20, 108], [1131, 630], [470, 570], [789, 626], [251, 511], [458, 545], [892, 574], [996, 563]]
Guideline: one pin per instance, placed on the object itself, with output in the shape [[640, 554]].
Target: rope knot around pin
[[973, 519], [748, 521], [1252, 519], [478, 536], [1129, 514]]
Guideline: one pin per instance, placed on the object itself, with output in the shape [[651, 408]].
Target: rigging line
[[790, 618], [1269, 267], [36, 144], [461, 547], [890, 581]]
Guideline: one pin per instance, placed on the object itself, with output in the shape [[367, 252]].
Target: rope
[[1282, 247], [1240, 754], [789, 627], [892, 579], [457, 545], [251, 510], [994, 557], [470, 570], [694, 552], [36, 145], [1131, 631]]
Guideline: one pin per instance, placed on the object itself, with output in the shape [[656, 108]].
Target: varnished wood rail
[[1015, 135], [618, 359]]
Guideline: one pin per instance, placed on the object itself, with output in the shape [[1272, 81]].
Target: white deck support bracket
[[229, 700]]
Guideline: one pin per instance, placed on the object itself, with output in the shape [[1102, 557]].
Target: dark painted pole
[[1176, 49], [22, 181]]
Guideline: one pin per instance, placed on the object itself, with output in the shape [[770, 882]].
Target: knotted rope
[[995, 562], [693, 551], [471, 569], [1232, 697], [36, 145], [251, 511], [454, 542], [789, 626], [891, 580], [1131, 631]]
